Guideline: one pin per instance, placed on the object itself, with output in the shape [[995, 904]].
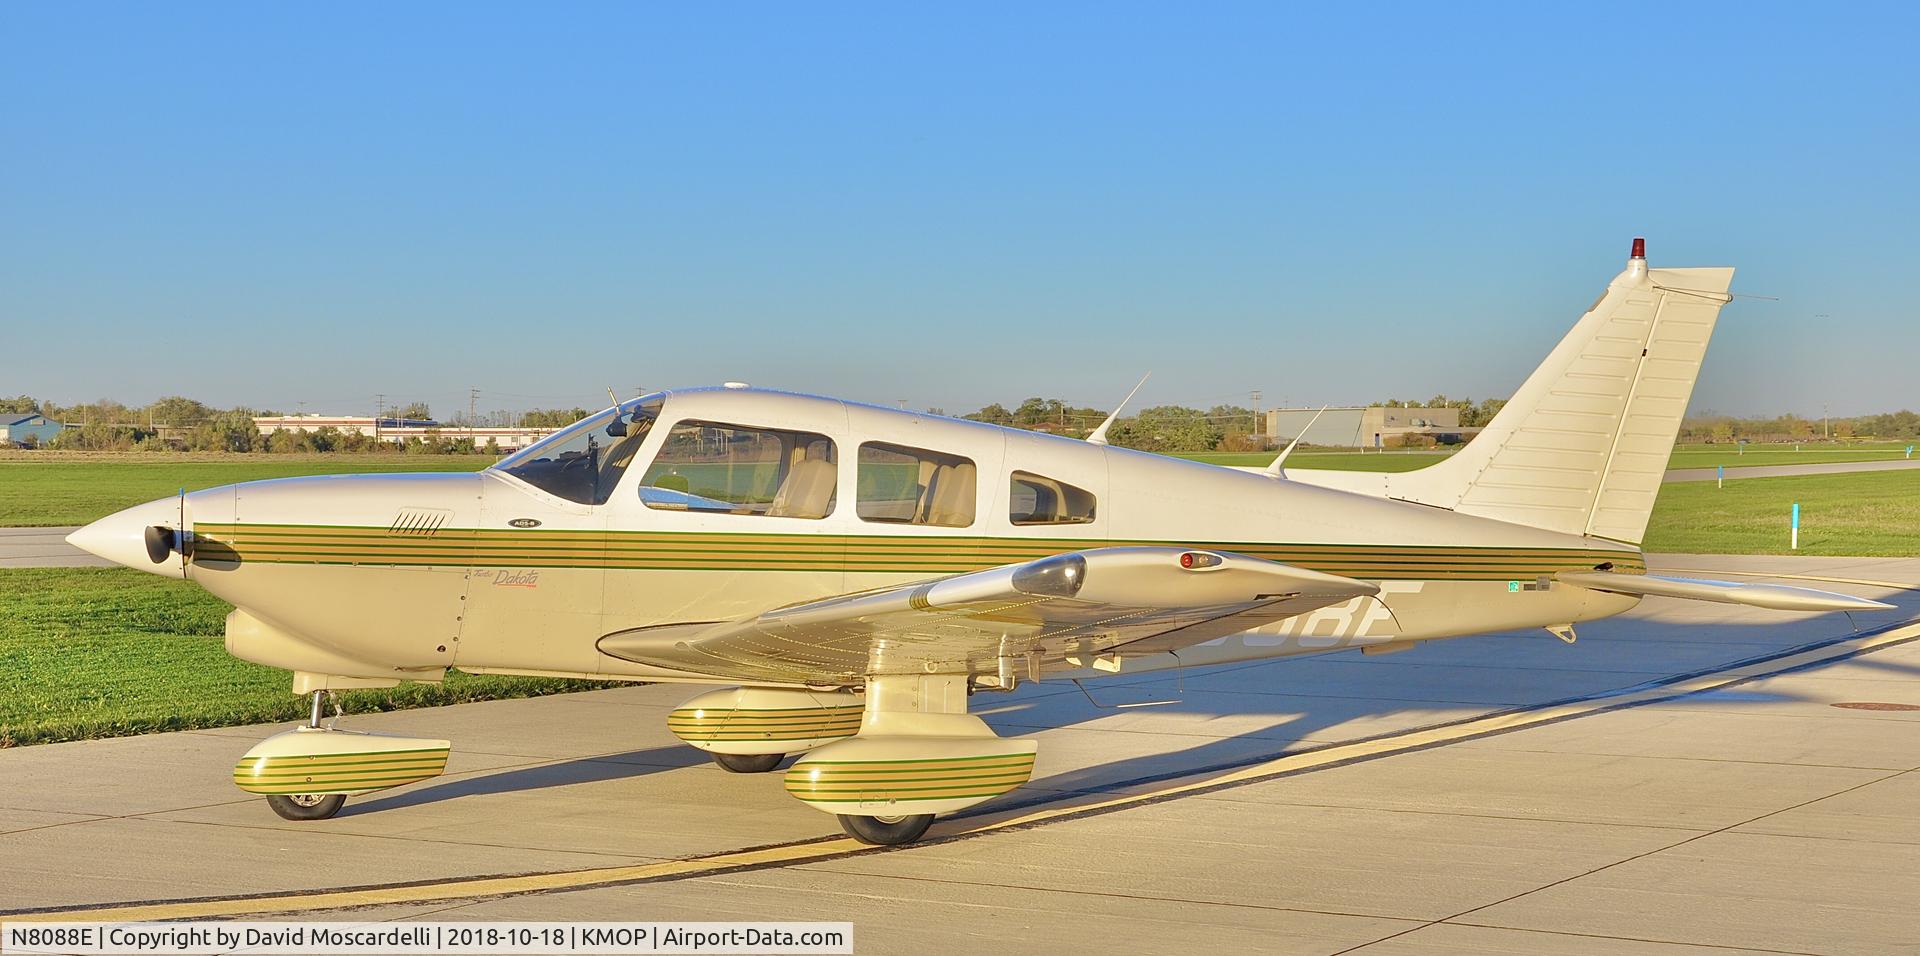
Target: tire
[[886, 831], [748, 763], [307, 806]]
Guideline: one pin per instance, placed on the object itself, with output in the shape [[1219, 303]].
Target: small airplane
[[853, 574]]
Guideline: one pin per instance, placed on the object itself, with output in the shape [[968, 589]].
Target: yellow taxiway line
[[1051, 811]]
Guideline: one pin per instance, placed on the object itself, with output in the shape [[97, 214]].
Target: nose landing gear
[[309, 772]]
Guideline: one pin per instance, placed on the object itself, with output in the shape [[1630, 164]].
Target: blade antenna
[[1276, 470], [1099, 436]]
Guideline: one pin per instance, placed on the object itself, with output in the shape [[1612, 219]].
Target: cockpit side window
[[736, 469], [1035, 499], [901, 485], [584, 461]]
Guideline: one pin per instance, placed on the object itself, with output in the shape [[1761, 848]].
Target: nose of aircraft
[[125, 537]]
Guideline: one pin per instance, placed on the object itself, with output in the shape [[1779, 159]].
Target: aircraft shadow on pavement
[[597, 769], [1304, 702], [1297, 703]]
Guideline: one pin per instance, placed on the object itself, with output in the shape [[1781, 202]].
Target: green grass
[[1708, 456], [97, 652], [72, 491], [1875, 513]]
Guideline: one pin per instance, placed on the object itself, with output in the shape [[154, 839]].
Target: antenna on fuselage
[[615, 428], [1276, 470], [1099, 436]]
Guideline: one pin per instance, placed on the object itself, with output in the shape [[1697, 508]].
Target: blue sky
[[276, 204]]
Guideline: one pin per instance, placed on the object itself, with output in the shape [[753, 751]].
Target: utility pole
[[379, 407], [473, 395], [1255, 397], [1823, 420]]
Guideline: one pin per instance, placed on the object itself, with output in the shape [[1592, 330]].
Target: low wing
[[1778, 597], [1082, 603]]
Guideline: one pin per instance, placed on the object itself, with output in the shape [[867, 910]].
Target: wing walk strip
[[1037, 812]]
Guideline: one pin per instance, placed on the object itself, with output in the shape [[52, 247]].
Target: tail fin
[[1583, 445]]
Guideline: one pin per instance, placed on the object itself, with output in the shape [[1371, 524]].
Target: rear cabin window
[[901, 485], [1035, 499], [736, 469]]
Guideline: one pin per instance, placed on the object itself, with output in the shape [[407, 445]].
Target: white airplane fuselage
[[372, 577]]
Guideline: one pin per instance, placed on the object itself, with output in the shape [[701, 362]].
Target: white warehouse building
[[400, 429]]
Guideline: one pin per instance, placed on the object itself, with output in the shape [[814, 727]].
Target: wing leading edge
[[1037, 613]]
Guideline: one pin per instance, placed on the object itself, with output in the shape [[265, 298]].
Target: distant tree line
[[176, 423], [1178, 428], [1889, 426]]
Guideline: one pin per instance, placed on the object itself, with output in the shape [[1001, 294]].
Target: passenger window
[[914, 486], [1038, 500], [730, 469]]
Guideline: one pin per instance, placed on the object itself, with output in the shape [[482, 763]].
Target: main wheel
[[748, 763], [886, 831], [307, 806]]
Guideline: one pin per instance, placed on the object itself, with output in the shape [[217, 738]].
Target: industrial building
[[1371, 426], [27, 428], [398, 430]]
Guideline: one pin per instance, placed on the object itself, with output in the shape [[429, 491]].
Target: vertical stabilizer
[[1583, 445]]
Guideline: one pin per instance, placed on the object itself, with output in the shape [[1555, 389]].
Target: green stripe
[[334, 771], [278, 761], [341, 545], [815, 763], [773, 710], [887, 786], [842, 773], [362, 783]]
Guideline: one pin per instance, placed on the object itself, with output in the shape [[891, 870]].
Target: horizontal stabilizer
[[1778, 597]]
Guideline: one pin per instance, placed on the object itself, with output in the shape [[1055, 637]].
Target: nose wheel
[[306, 806], [886, 831]]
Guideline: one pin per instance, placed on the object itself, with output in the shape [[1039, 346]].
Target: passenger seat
[[807, 491]]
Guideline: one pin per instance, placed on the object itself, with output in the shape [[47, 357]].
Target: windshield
[[584, 461]]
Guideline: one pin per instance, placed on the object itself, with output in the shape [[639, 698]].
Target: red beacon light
[[1639, 247], [1200, 560]]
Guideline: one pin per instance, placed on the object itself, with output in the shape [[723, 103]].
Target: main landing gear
[[748, 763], [886, 831], [884, 764]]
